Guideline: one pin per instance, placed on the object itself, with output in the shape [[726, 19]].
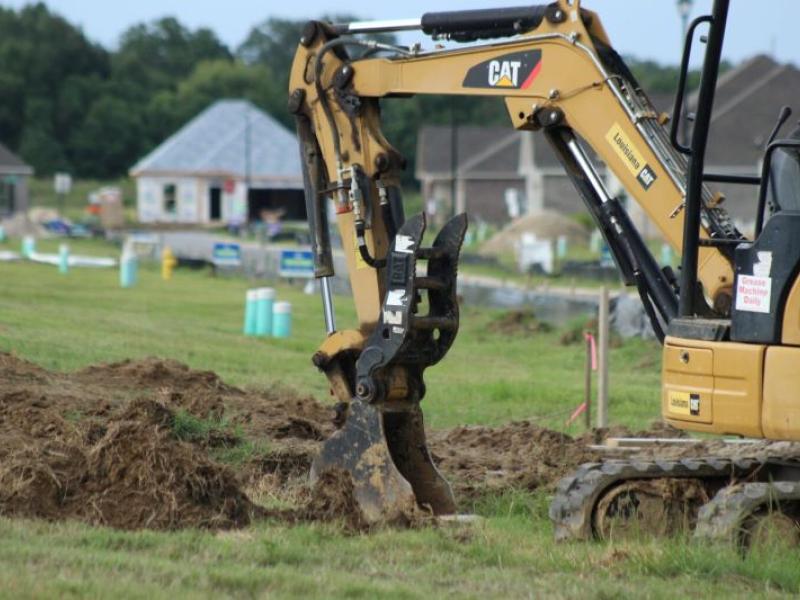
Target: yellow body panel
[[791, 316], [725, 379], [781, 412]]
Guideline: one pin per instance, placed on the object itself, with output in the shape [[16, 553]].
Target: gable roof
[[746, 105], [214, 143], [11, 164], [435, 143], [487, 151]]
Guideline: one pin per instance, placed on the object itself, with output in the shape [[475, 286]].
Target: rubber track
[[722, 519], [577, 494]]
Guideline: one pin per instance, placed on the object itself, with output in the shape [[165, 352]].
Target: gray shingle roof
[[746, 106], [434, 143], [215, 143], [485, 150], [493, 151], [11, 164]]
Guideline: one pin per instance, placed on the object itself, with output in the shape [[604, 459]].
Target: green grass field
[[67, 322]]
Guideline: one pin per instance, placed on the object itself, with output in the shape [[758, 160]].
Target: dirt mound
[[518, 322], [545, 225], [153, 372], [480, 460], [130, 472], [154, 444], [138, 473], [141, 444]]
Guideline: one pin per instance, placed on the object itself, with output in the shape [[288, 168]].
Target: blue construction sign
[[297, 264], [227, 255]]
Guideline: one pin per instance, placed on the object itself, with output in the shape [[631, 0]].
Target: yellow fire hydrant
[[168, 263]]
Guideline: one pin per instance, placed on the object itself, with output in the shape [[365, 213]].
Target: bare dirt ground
[[154, 444]]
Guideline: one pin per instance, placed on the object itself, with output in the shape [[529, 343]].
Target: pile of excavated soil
[[545, 225], [113, 445], [101, 445], [480, 460], [519, 322]]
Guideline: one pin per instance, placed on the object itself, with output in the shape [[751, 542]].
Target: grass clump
[[225, 442], [191, 428]]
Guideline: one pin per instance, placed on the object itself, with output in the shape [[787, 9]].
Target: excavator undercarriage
[[729, 322]]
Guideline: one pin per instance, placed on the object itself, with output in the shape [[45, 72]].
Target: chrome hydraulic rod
[[384, 25], [327, 305]]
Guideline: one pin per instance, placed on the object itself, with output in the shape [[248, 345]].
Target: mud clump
[[519, 322], [333, 498], [139, 474]]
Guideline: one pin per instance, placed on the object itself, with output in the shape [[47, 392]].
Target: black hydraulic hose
[[323, 98], [375, 263]]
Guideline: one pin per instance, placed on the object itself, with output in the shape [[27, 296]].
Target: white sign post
[[531, 251], [62, 183]]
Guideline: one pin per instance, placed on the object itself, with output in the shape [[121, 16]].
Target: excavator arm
[[558, 74]]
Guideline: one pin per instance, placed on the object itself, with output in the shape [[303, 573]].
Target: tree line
[[69, 104]]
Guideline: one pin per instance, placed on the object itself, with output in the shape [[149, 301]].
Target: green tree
[[213, 80], [274, 42], [158, 55], [109, 139], [152, 61], [41, 52], [42, 150]]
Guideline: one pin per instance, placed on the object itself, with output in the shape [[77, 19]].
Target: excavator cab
[[730, 371]]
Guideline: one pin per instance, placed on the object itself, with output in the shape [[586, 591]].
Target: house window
[[6, 196], [170, 199]]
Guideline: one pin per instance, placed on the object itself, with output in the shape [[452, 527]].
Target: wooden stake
[[587, 382], [602, 362]]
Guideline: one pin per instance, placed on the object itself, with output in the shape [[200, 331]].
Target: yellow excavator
[[729, 323]]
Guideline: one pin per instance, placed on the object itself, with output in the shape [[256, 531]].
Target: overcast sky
[[642, 28]]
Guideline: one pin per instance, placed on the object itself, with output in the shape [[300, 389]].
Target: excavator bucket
[[389, 462], [360, 448], [382, 443]]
